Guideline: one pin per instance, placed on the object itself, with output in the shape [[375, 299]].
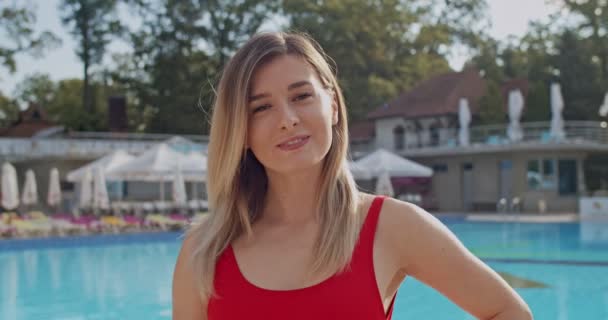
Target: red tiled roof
[[361, 131], [436, 96], [31, 121]]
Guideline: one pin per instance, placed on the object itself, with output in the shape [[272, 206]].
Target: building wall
[[384, 132], [448, 190], [414, 137]]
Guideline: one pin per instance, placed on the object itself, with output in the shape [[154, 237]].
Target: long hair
[[237, 182]]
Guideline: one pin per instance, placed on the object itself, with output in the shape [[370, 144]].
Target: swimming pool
[[129, 276]]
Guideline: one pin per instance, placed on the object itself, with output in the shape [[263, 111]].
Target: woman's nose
[[289, 117]]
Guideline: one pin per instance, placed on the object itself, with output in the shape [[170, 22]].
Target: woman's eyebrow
[[298, 84], [289, 87], [258, 96]]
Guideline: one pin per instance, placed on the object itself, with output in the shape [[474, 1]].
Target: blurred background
[[490, 114]]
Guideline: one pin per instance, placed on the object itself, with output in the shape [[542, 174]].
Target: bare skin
[[408, 241]]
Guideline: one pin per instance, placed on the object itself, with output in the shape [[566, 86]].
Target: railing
[[23, 148], [496, 135], [130, 136], [86, 145], [590, 131]]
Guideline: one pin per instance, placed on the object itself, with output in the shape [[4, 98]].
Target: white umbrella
[[86, 192], [179, 189], [516, 106], [603, 111], [384, 186], [100, 191], [53, 197], [10, 189], [464, 117], [381, 160], [108, 162], [29, 196], [557, 105]]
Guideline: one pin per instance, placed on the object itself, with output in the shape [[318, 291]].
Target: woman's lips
[[294, 143]]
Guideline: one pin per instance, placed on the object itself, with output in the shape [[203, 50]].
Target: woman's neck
[[291, 198]]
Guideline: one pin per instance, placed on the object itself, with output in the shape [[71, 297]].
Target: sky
[[509, 17]]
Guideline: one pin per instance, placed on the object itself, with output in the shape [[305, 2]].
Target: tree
[[65, 108], [93, 23], [232, 22], [491, 105], [17, 24], [9, 111], [178, 54], [579, 76], [382, 48], [594, 14], [36, 88]]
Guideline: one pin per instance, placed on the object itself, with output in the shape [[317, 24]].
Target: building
[[491, 172]]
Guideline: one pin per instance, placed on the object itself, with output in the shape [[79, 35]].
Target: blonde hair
[[236, 181]]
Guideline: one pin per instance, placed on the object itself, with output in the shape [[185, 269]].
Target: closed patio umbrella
[[53, 197], [10, 189], [557, 106], [29, 196]]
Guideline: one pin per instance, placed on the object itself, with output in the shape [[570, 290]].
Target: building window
[[541, 174], [567, 177], [399, 137], [434, 130], [440, 167]]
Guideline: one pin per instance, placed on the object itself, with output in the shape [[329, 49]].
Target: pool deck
[[518, 217]]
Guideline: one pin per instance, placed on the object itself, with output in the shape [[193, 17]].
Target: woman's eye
[[302, 96], [261, 108]]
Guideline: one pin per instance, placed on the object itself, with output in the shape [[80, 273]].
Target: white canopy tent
[[159, 164], [358, 171], [100, 191], [384, 186], [382, 160], [108, 162]]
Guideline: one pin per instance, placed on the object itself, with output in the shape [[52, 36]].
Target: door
[[505, 182], [467, 186]]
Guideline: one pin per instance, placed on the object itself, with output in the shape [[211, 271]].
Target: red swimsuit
[[350, 295]]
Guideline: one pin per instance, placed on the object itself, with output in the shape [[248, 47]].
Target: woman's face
[[291, 115]]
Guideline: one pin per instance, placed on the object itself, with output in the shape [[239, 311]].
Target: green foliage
[[176, 62], [491, 105], [17, 26], [9, 111], [35, 88], [93, 23], [383, 48], [66, 108]]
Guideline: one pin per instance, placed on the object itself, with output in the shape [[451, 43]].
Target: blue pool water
[[129, 277]]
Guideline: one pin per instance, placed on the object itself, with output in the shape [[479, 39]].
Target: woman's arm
[[429, 252], [187, 302]]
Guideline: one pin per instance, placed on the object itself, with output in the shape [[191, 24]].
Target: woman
[[289, 236]]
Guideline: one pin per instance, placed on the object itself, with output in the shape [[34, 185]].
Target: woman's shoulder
[[404, 227]]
